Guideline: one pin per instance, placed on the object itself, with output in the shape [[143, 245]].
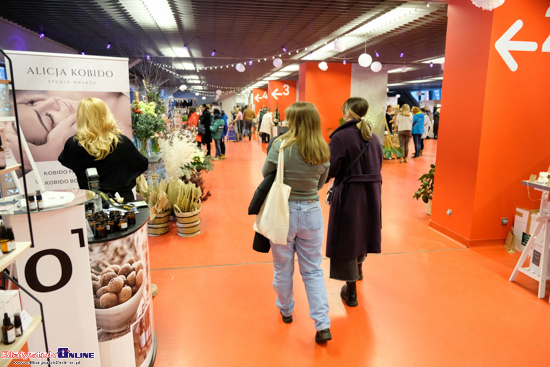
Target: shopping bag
[[273, 219]]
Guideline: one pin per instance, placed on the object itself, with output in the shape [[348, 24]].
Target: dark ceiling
[[238, 31]]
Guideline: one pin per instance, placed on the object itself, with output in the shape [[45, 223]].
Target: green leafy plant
[[388, 151], [426, 189]]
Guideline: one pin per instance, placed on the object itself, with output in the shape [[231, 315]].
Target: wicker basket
[[159, 225], [188, 224]]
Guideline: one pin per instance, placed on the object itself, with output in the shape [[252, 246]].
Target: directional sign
[[260, 100], [281, 94], [505, 44]]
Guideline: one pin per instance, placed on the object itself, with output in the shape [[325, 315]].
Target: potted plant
[[156, 196], [426, 189], [145, 123]]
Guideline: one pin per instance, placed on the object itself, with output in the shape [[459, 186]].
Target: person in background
[[306, 157], [417, 130], [436, 122], [193, 118], [355, 217], [238, 124], [266, 125], [99, 143], [427, 125], [403, 122], [217, 129], [206, 120], [389, 118], [248, 116], [224, 133]]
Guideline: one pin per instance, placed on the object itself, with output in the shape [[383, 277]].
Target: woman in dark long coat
[[206, 120], [355, 220]]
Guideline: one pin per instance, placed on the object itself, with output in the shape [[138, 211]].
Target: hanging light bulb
[[365, 60], [376, 66], [277, 63], [323, 66], [404, 69]]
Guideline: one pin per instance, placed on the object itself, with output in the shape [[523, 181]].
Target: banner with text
[[259, 99], [281, 94], [48, 88]]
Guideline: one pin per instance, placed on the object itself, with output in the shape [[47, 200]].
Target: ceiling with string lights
[[204, 43]]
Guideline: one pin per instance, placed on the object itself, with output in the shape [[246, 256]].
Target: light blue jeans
[[305, 237]]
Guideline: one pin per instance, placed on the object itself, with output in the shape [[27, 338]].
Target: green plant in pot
[[426, 189]]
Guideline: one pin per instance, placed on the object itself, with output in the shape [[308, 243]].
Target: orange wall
[[327, 90], [492, 131]]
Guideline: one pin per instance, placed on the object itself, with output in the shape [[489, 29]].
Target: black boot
[[360, 267], [349, 294]]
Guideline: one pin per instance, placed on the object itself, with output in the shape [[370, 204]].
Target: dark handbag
[[201, 130], [337, 181], [261, 193], [261, 243]]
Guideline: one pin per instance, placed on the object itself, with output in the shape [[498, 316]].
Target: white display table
[[59, 270]]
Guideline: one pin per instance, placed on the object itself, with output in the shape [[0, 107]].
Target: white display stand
[[542, 220]]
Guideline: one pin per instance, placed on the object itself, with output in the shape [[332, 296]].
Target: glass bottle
[[11, 239], [109, 226], [100, 230], [32, 203], [4, 239], [39, 202], [123, 224], [8, 330], [17, 324]]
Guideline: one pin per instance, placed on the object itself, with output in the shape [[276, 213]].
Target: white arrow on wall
[[257, 98], [275, 95], [505, 44]]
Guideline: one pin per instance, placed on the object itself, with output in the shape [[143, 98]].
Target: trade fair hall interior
[[138, 246]]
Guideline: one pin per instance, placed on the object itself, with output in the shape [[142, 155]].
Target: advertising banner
[[48, 89], [281, 94], [97, 297]]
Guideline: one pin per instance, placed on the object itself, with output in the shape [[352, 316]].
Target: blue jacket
[[225, 127], [418, 123]]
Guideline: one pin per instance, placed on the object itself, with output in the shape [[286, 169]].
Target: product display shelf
[[20, 341], [10, 257], [10, 169]]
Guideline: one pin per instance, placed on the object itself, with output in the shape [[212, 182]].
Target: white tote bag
[[273, 219]]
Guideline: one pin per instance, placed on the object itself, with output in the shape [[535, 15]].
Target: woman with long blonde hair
[[355, 221], [306, 157], [403, 122], [99, 143]]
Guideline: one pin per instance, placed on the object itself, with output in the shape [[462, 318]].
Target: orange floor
[[425, 301]]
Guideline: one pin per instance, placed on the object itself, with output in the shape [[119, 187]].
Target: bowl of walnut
[[118, 291]]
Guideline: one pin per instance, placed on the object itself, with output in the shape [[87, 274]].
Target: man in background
[[248, 117]]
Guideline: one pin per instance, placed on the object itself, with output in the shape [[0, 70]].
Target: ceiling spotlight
[[108, 45], [431, 64], [284, 49], [213, 52], [306, 48], [376, 53], [148, 57], [402, 54], [82, 53], [249, 62], [428, 5], [185, 47], [345, 62], [41, 35]]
